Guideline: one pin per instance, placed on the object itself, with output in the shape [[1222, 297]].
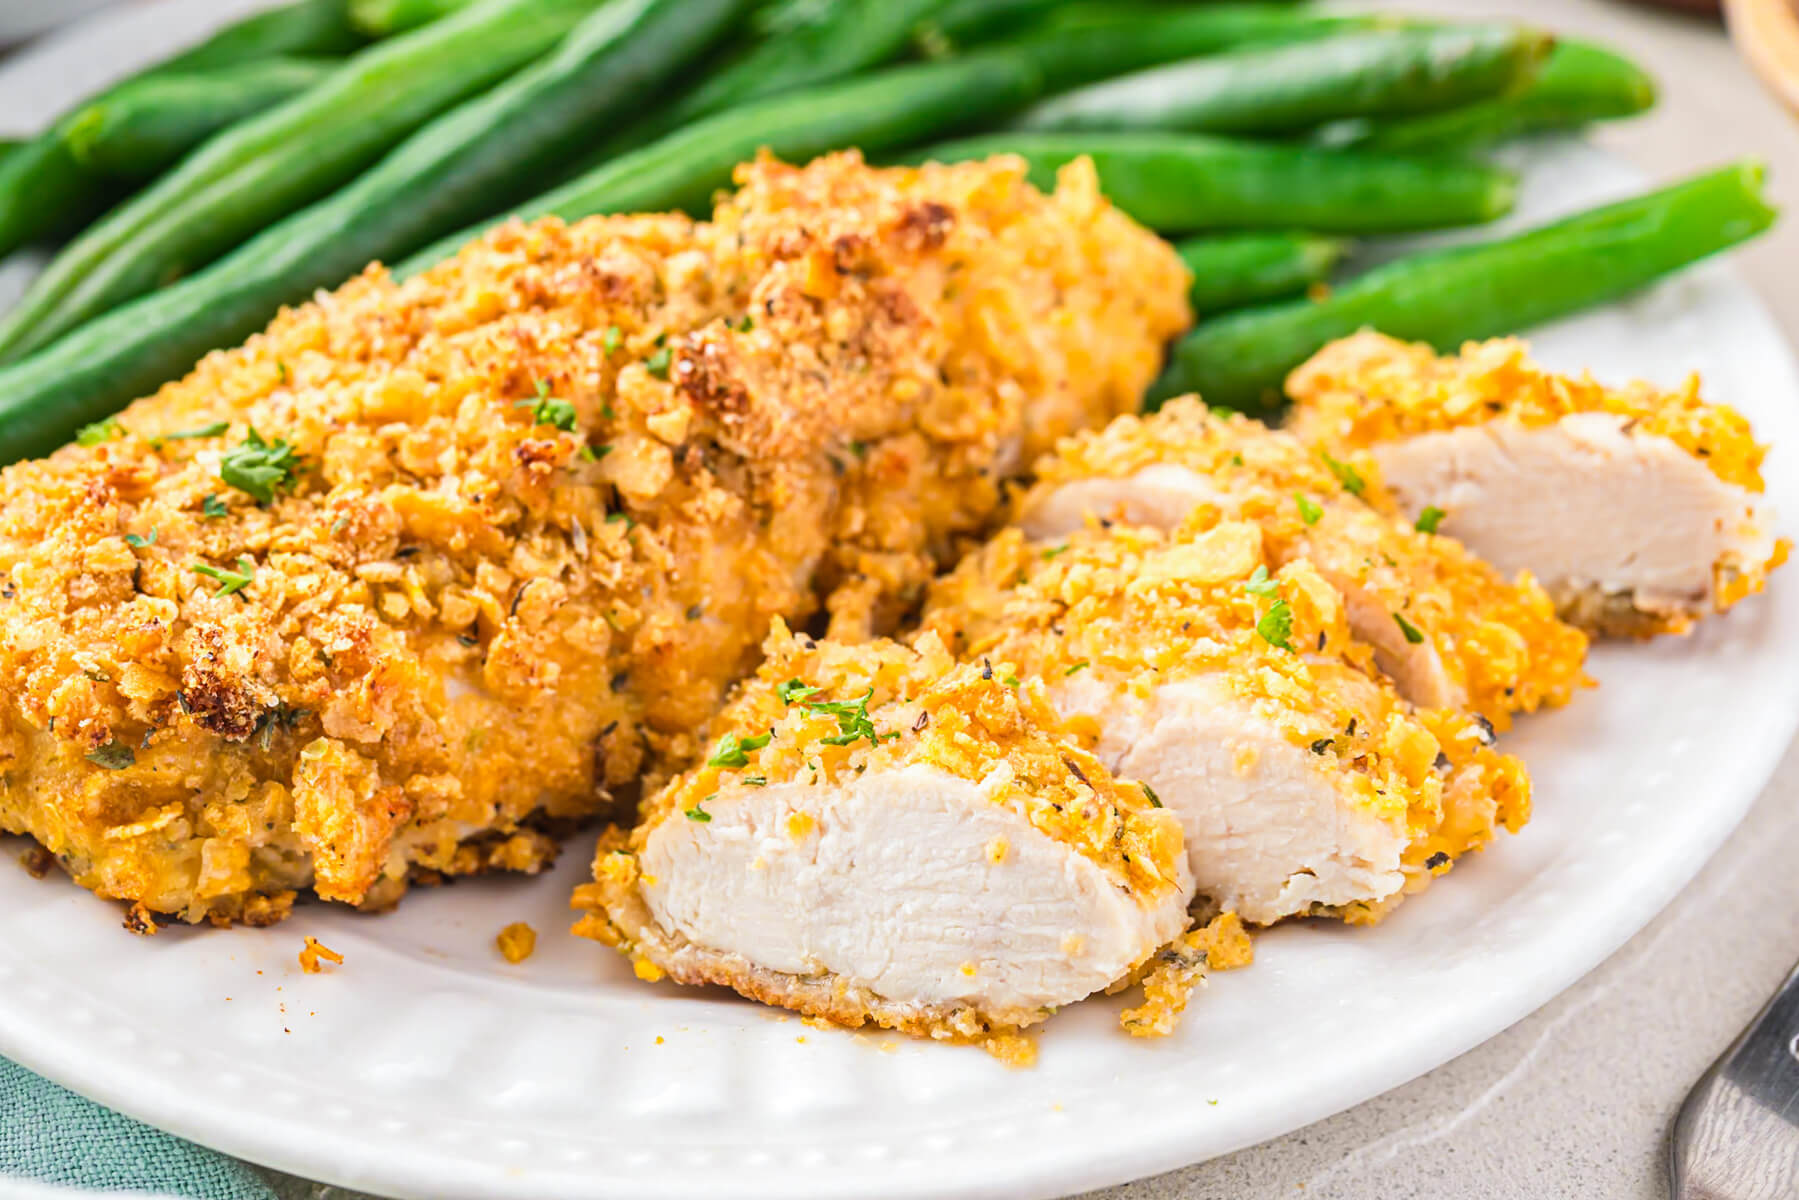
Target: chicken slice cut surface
[[1448, 628], [884, 835], [427, 571], [1303, 782], [1639, 509]]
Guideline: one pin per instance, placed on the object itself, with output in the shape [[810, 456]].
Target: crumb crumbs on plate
[[516, 942], [1013, 1049], [314, 952]]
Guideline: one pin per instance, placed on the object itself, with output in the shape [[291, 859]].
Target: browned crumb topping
[[1500, 642], [1370, 388], [516, 942], [449, 558], [1138, 609], [314, 953]]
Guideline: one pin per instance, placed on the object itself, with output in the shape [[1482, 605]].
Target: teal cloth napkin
[[51, 1135]]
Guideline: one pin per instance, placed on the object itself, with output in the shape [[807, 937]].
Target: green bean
[[1579, 83], [1447, 297], [1098, 47], [265, 168], [385, 18], [846, 38], [44, 190], [961, 23], [1284, 88], [895, 107], [303, 29], [1237, 269], [1174, 183], [138, 130]]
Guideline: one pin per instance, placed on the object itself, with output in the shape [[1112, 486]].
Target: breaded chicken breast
[[1639, 509], [1445, 626], [883, 835], [426, 569], [1231, 685]]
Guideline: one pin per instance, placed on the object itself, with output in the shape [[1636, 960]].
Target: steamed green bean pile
[[1272, 141]]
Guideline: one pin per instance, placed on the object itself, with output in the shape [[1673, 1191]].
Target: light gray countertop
[[1576, 1099]]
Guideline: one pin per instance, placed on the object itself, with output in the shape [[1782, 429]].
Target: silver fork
[[1737, 1135]]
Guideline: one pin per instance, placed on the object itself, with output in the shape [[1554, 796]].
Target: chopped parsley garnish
[[548, 410], [1309, 512], [731, 750], [100, 431], [1411, 631], [853, 723], [114, 756], [658, 363], [281, 371], [1276, 626], [1010, 681], [132, 539], [593, 453], [213, 507], [1236, 460], [1080, 666], [229, 581], [614, 518], [1259, 584], [259, 468], [755, 781], [793, 690], [185, 435], [1429, 519], [1055, 550], [612, 338], [1348, 476], [1150, 793], [696, 813]]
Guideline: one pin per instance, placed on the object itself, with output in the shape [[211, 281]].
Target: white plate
[[426, 1066]]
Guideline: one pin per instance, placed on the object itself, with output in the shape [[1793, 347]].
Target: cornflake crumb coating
[[425, 571], [1499, 641], [1369, 388], [1135, 608]]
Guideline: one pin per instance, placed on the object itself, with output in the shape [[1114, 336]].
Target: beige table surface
[[1574, 1101]]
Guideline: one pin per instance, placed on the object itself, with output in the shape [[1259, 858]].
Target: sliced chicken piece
[[1445, 626], [1639, 509], [883, 835], [1303, 783]]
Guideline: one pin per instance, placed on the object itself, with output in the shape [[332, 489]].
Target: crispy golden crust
[[1499, 643], [1140, 609], [923, 709], [1369, 388], [463, 617]]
